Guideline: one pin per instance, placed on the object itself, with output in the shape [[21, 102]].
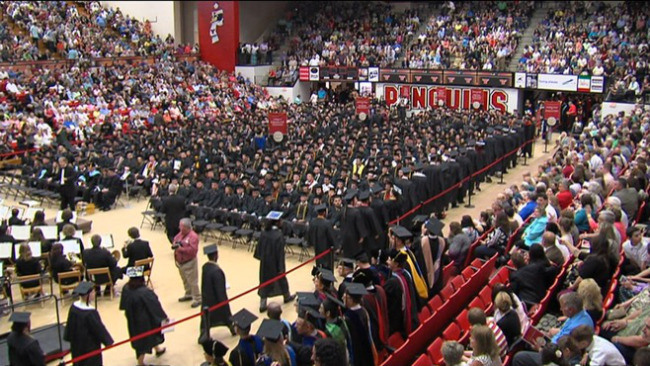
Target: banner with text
[[552, 111], [423, 97], [277, 125], [363, 105], [218, 23]]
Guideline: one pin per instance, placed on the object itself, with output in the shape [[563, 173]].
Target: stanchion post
[[332, 257], [524, 153], [206, 321], [503, 162], [469, 193]]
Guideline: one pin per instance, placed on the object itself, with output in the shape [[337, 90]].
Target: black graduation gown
[[246, 352], [85, 332], [371, 241], [143, 312], [362, 346], [213, 291], [320, 235], [353, 228], [270, 253], [24, 350]]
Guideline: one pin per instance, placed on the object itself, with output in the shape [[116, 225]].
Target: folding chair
[[76, 274], [26, 291], [92, 274], [147, 263]]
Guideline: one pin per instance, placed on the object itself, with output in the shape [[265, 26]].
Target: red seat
[[477, 303], [435, 303], [504, 275], [457, 282], [446, 293], [468, 272], [424, 314], [434, 351], [486, 295], [462, 320], [476, 263], [452, 333], [395, 340], [423, 360]]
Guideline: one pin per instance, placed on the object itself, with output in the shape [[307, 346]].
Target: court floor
[[240, 267]]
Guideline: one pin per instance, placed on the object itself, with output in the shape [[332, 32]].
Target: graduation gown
[[246, 352], [363, 350], [401, 298], [213, 291], [270, 253], [143, 312], [85, 332], [24, 350], [320, 235], [353, 228], [371, 241], [375, 303]]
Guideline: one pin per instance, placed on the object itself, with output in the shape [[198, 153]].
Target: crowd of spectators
[[56, 29], [471, 35], [593, 38], [347, 33]]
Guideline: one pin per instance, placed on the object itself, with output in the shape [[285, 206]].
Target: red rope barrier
[[459, 184], [216, 306]]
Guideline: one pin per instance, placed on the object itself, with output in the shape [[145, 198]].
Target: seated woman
[[509, 321], [59, 264], [39, 219], [37, 235], [27, 265], [533, 232], [592, 299], [66, 219], [68, 232], [517, 305], [596, 265], [584, 212], [531, 281], [497, 240]]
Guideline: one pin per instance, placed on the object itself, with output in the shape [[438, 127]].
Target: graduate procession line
[[190, 317], [459, 184]]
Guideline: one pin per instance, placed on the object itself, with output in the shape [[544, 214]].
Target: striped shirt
[[500, 338]]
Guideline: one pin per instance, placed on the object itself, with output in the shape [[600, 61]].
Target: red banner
[[277, 123], [363, 105], [219, 33], [552, 109], [477, 96], [441, 95]]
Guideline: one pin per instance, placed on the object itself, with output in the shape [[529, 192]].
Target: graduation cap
[[310, 314], [321, 208], [250, 171], [133, 272], [453, 154], [214, 348], [326, 275], [210, 249], [347, 262], [434, 226], [307, 299], [270, 329], [335, 300], [364, 195], [84, 288], [489, 130], [362, 257], [243, 319], [401, 232], [406, 170], [419, 220], [355, 289], [20, 317], [274, 215], [398, 256], [362, 278], [376, 188], [350, 194]]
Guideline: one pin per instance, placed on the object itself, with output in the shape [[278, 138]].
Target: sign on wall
[[557, 82], [422, 97], [219, 33]]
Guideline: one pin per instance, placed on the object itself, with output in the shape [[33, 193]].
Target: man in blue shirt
[[571, 307], [529, 207]]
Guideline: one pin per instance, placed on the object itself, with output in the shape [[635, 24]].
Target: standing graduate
[[24, 350], [401, 296], [270, 253], [376, 306], [213, 289], [84, 329], [320, 235], [250, 346], [358, 322], [143, 313], [353, 228]]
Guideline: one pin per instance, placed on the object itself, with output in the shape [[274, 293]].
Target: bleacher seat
[[434, 351], [423, 360], [452, 332]]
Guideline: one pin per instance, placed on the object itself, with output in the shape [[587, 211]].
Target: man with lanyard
[[250, 346]]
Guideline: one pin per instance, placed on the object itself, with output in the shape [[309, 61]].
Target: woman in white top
[[485, 351]]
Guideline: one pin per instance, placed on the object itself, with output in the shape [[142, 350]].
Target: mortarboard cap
[[356, 289], [250, 171], [20, 317], [270, 329], [321, 208], [274, 215], [434, 226], [214, 348], [335, 300], [243, 319], [135, 271], [327, 275], [307, 299], [406, 170], [364, 195], [347, 262], [376, 188], [309, 313], [401, 232], [489, 130], [84, 288], [350, 194], [398, 256], [210, 249], [419, 220], [362, 257]]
